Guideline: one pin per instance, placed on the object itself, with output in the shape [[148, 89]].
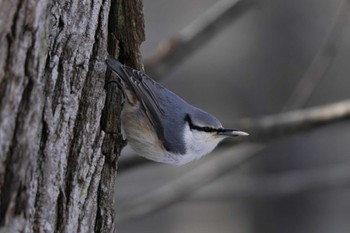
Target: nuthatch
[[161, 126]]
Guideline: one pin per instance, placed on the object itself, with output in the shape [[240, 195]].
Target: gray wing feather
[[153, 98]]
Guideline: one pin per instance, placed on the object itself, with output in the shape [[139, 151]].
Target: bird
[[161, 126]]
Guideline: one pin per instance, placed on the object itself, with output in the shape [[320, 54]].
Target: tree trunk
[[58, 156]]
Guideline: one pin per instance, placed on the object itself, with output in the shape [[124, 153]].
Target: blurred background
[[260, 58]]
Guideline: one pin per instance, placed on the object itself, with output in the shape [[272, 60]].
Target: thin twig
[[269, 127], [322, 61], [201, 30]]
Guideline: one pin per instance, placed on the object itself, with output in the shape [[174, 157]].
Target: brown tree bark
[[58, 156]]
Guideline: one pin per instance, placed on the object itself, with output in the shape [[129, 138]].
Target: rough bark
[[55, 175]]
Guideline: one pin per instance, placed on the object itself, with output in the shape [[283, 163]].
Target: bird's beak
[[231, 133]]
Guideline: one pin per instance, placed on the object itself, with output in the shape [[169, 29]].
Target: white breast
[[198, 144]]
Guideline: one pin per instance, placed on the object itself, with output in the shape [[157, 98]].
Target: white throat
[[198, 144]]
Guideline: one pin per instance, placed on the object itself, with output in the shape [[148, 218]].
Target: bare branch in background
[[170, 192], [197, 33], [241, 186], [273, 126], [285, 183], [322, 61]]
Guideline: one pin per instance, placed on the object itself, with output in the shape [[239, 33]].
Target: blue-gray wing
[[155, 101]]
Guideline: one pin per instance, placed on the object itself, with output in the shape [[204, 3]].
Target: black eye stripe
[[199, 128]]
